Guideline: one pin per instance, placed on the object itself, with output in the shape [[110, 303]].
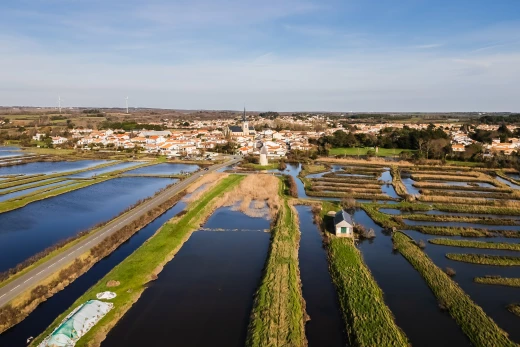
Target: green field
[[382, 152]]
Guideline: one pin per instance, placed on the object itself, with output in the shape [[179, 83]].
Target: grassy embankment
[[460, 219], [269, 166], [45, 193], [476, 244], [497, 280], [308, 169], [62, 276], [278, 315], [353, 151], [40, 177], [398, 184], [514, 309], [143, 265], [368, 320], [480, 329], [485, 259], [35, 185]]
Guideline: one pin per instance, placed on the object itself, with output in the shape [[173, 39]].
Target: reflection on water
[[50, 167], [30, 229], [47, 311], [326, 327], [411, 301], [204, 295]]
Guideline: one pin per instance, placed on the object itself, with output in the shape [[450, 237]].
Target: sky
[[278, 55]]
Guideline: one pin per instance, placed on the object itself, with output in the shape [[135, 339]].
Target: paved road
[[33, 277]]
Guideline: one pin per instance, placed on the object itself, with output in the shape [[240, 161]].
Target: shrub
[[450, 271]]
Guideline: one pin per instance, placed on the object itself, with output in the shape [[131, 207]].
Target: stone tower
[[263, 156]]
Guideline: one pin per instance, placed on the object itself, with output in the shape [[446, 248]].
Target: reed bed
[[452, 231], [398, 184], [469, 201], [360, 179], [358, 189], [460, 219], [499, 281], [438, 177], [369, 322], [485, 259], [483, 195], [461, 174], [320, 182], [479, 327], [380, 218], [354, 195], [340, 179], [476, 244], [498, 210], [278, 315], [434, 185]]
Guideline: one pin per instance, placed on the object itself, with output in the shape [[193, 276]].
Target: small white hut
[[343, 225]]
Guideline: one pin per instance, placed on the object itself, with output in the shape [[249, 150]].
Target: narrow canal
[[325, 327], [47, 311], [204, 295], [31, 229]]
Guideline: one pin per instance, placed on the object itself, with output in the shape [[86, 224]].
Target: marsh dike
[[204, 295]]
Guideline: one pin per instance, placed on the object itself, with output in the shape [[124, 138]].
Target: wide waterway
[[165, 169], [47, 311], [31, 229], [204, 295]]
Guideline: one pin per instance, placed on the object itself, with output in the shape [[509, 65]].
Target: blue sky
[[283, 55]]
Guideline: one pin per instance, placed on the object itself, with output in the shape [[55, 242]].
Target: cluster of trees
[[511, 119], [486, 136], [269, 115], [430, 143], [129, 126]]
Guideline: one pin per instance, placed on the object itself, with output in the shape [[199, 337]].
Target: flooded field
[[47, 311], [31, 190], [492, 298], [325, 327], [97, 172], [8, 152], [50, 167], [31, 229], [165, 169], [413, 304], [209, 283]]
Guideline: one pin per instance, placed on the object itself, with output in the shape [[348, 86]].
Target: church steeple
[[245, 124]]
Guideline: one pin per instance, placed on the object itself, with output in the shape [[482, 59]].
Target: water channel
[[204, 295], [30, 229]]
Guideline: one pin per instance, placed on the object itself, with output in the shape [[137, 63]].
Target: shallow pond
[[31, 229], [326, 327], [493, 299], [31, 190], [164, 169], [50, 167], [393, 211], [413, 304], [46, 312], [97, 172], [209, 284], [511, 184], [462, 184]]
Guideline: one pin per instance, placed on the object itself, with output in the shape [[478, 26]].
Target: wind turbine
[[126, 104]]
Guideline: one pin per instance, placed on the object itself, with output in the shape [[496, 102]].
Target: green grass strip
[[369, 321], [479, 327], [499, 281], [37, 184], [278, 315], [485, 259], [137, 269], [476, 244]]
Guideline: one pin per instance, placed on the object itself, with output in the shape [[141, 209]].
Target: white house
[[343, 225]]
